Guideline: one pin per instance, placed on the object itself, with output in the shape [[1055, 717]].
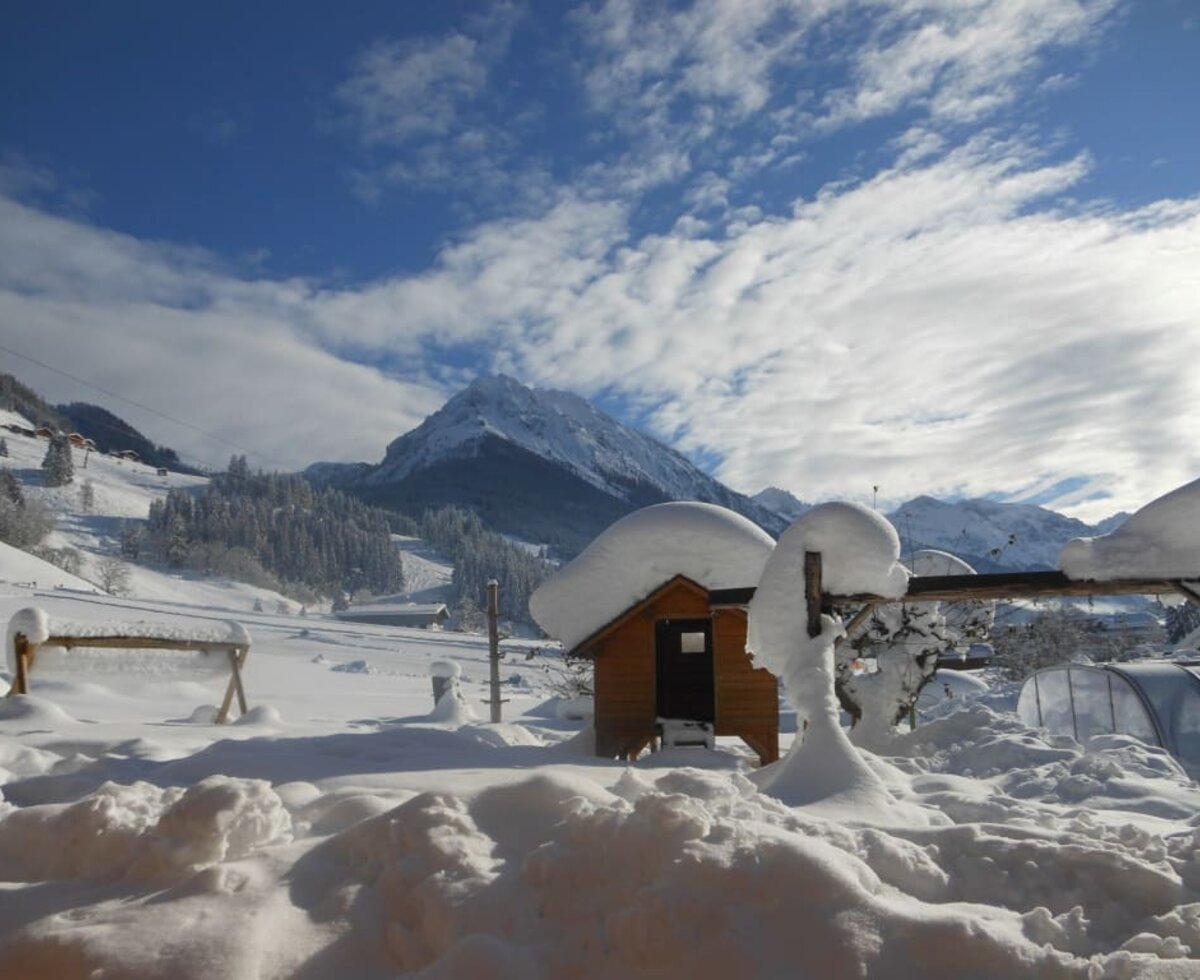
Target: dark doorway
[[684, 660]]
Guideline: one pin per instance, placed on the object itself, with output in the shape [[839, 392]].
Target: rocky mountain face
[[544, 466]]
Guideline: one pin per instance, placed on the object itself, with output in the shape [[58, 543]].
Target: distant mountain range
[[550, 467]]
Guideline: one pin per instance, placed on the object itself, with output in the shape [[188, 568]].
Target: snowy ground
[[342, 829], [338, 831]]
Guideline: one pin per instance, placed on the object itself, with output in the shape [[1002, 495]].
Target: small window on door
[[691, 643]]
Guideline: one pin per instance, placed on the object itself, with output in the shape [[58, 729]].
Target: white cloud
[[937, 328], [170, 328], [960, 59], [402, 89]]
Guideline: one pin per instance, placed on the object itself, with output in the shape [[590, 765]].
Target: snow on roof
[[1162, 540], [712, 546], [394, 606]]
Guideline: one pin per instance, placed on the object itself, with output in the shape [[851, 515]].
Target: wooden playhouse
[[655, 603], [679, 654]]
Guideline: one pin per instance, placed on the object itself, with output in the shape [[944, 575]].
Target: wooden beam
[[20, 684], [140, 643], [1014, 585], [1001, 585], [236, 652], [812, 591]]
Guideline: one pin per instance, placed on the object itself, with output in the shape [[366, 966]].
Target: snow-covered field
[[344, 828], [338, 831]]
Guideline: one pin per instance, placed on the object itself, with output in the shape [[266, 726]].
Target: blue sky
[[943, 247]]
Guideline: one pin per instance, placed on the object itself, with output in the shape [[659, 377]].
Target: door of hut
[[684, 669]]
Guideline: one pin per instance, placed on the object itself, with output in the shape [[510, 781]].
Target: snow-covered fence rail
[[30, 633]]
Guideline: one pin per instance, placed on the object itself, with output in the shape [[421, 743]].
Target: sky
[[926, 246]]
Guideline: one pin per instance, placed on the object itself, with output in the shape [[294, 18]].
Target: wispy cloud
[[420, 106], [958, 61], [941, 327]]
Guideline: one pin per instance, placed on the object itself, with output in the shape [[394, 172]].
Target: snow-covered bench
[[222, 645]]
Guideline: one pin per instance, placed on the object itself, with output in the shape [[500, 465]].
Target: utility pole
[[493, 614]]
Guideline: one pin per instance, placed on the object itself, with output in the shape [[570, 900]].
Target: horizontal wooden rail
[[1001, 585]]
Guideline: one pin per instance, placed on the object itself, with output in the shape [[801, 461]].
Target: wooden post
[[493, 614], [21, 683], [812, 591]]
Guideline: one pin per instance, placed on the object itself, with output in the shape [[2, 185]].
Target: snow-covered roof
[[393, 608], [712, 546], [1162, 540]]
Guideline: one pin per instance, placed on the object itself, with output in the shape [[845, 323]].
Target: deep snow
[[347, 827]]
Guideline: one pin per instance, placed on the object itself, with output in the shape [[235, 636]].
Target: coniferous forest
[[276, 530]]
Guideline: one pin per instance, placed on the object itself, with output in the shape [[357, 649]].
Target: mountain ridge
[[542, 464]]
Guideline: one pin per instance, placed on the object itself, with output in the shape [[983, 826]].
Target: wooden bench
[[235, 650]]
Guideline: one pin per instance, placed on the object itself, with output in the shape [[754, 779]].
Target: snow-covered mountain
[[780, 502], [990, 535], [543, 465]]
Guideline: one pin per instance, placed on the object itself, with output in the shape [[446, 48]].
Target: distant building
[[77, 440], [44, 432], [414, 615]]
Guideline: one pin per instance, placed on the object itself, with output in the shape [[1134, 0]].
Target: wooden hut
[[678, 655]]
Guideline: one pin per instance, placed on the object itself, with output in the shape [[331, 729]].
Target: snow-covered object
[[33, 623], [930, 561], [226, 631], [133, 661], [447, 669], [859, 551], [1162, 540], [712, 546]]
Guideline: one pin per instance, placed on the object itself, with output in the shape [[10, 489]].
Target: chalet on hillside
[[679, 654], [413, 615]]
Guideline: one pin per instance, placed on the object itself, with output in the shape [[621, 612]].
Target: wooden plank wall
[[626, 697], [747, 697]]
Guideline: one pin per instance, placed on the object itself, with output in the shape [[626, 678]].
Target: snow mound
[[1162, 540], [710, 545], [859, 554], [32, 710], [691, 875], [354, 667], [143, 831]]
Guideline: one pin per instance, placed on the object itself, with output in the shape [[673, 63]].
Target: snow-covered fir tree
[[58, 469]]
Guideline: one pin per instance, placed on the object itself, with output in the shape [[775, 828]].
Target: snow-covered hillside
[[122, 491]]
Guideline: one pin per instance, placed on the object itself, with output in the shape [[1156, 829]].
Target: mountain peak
[[497, 440]]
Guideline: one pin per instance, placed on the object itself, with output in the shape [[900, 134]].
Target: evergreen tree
[[58, 469], [3, 447]]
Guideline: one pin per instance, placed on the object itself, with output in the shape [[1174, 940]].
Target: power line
[[144, 408]]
